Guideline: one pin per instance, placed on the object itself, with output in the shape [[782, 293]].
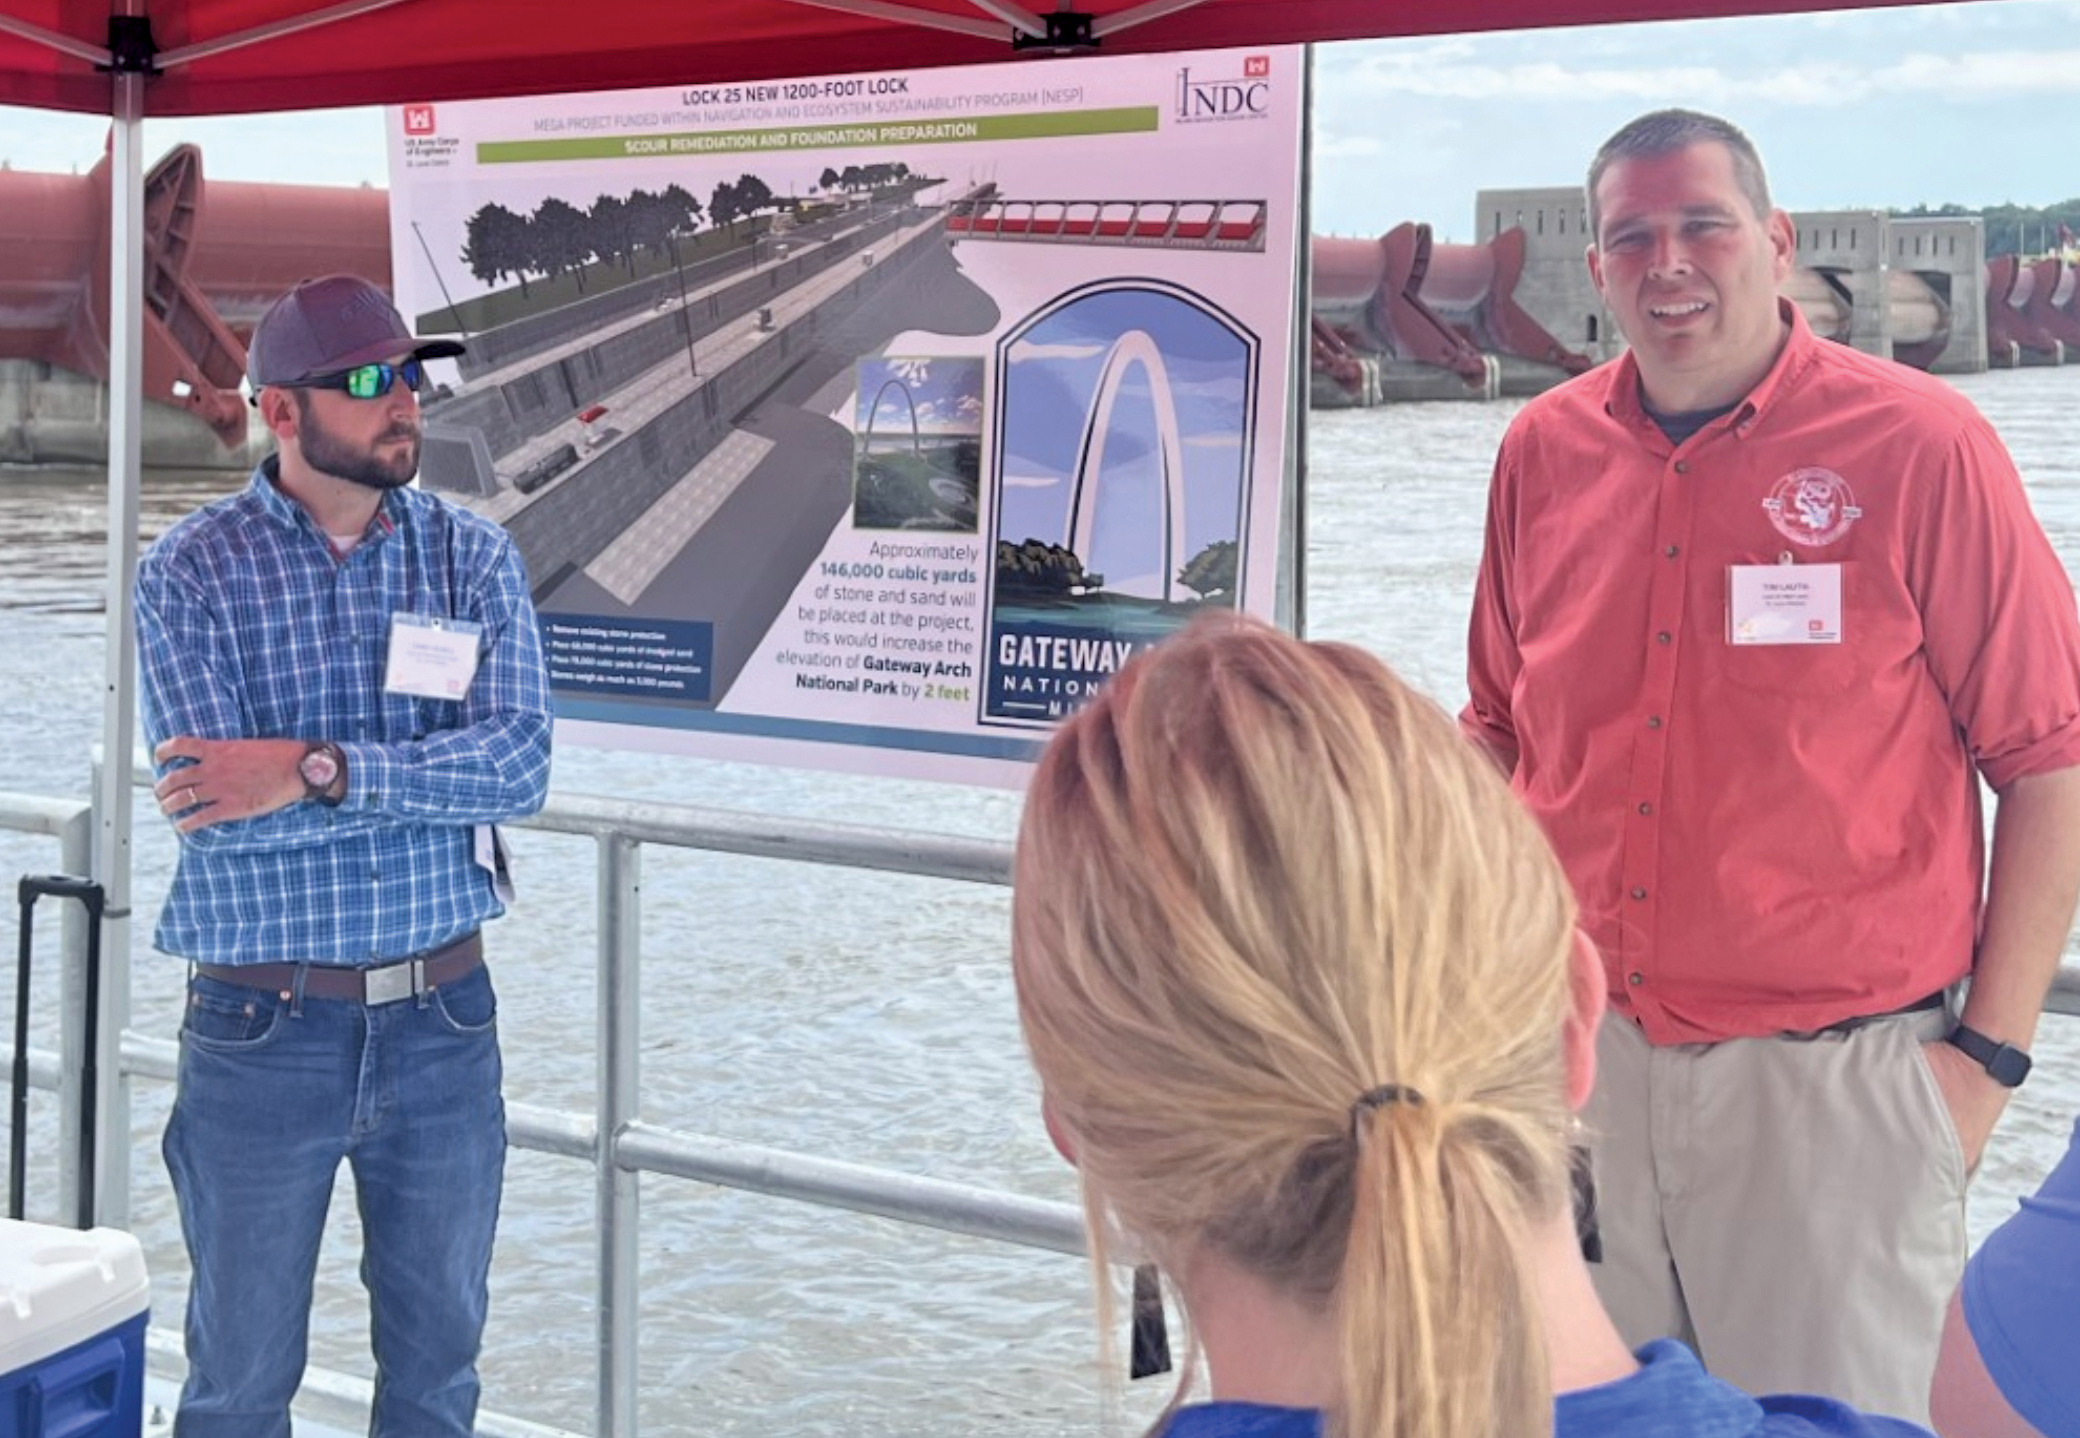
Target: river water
[[863, 1017]]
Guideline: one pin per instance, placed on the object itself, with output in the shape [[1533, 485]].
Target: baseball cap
[[327, 325]]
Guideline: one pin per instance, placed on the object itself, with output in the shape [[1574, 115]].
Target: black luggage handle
[[95, 898]]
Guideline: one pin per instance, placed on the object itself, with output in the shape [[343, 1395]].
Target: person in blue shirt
[[1312, 1018], [344, 692], [2010, 1362]]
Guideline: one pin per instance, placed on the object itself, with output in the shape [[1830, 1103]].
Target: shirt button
[[1638, 892], [1646, 808], [1653, 721], [1635, 978], [1664, 637], [1682, 466], [1671, 551]]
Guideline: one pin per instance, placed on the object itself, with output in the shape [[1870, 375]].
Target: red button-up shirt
[[1769, 838]]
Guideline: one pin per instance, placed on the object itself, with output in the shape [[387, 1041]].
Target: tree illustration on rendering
[[1211, 573], [563, 240], [654, 219], [754, 195], [1037, 569], [499, 243], [684, 209], [560, 238], [867, 177], [609, 231], [724, 209]]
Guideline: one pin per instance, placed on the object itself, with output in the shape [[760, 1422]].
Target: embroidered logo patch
[[1812, 507]]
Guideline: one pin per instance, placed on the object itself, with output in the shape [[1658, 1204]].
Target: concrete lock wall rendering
[[573, 520], [513, 410]]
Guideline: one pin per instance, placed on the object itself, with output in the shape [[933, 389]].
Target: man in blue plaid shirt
[[344, 691]]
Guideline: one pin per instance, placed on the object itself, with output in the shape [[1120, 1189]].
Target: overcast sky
[[1974, 103]]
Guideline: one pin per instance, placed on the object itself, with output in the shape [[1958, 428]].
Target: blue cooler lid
[[59, 1287]]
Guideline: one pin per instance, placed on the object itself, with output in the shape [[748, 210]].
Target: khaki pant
[[1792, 1207]]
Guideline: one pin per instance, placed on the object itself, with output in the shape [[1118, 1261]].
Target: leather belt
[[1920, 1006], [381, 984]]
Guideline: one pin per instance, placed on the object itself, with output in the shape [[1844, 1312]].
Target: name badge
[[431, 658], [1784, 604]]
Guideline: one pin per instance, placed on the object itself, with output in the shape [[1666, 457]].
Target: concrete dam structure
[[216, 254], [1405, 317], [2035, 308]]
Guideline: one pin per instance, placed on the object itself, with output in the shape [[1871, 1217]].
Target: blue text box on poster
[[669, 659]]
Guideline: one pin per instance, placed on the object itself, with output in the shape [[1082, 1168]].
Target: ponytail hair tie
[[1379, 1098]]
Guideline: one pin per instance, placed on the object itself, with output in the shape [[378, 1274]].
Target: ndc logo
[[418, 119], [1243, 97]]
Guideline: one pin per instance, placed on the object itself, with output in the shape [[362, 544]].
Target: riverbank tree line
[[2014, 229]]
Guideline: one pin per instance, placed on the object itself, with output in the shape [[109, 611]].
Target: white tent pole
[[54, 40], [119, 714], [1016, 16], [203, 49]]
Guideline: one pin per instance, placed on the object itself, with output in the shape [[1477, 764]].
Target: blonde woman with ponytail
[[1312, 1019]]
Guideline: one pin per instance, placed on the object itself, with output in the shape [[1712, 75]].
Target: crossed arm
[[228, 787]]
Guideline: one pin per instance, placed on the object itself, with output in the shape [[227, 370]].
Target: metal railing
[[630, 1147], [613, 1137]]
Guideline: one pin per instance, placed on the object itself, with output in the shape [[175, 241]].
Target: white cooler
[[72, 1318]]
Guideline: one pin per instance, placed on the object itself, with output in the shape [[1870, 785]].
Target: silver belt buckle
[[391, 982]]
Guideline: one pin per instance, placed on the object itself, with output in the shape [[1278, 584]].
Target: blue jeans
[[273, 1094]]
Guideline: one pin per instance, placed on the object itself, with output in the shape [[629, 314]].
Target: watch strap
[[2007, 1065]]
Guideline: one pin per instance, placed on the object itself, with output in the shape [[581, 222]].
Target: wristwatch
[[2007, 1065], [321, 766]]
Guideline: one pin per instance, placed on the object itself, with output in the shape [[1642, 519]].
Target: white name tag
[[1784, 604], [431, 658]]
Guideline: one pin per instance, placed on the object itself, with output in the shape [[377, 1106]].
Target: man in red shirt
[[1756, 614]]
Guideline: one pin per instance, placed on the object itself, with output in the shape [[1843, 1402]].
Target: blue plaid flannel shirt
[[249, 627]]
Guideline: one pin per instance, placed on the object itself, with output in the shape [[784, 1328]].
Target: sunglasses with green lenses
[[371, 381]]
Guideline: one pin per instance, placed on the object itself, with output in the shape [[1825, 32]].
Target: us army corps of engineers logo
[[1812, 507]]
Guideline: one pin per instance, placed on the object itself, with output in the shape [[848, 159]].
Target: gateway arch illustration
[[927, 476], [1134, 348], [1124, 449], [895, 383]]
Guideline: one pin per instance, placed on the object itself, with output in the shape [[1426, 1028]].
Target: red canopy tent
[[124, 58], [237, 56]]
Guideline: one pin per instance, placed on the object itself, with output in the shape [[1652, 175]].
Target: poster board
[[866, 421]]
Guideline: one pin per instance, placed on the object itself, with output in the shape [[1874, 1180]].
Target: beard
[[326, 451]]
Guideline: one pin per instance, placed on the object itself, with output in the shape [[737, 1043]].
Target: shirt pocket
[[1817, 671]]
